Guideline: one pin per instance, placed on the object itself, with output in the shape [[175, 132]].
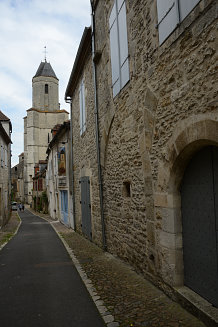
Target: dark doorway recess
[[199, 192]]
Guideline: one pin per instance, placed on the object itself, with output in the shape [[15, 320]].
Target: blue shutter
[[168, 17], [186, 6], [114, 49], [123, 43]]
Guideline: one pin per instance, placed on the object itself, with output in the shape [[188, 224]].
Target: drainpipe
[[97, 129], [69, 100]]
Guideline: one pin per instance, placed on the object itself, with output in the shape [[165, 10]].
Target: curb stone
[[103, 311], [107, 317]]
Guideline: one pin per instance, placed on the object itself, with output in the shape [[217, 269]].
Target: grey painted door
[[200, 224], [86, 207]]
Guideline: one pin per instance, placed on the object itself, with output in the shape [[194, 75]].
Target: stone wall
[[37, 128], [42, 101], [150, 130], [84, 152]]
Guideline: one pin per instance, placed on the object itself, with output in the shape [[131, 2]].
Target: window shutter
[[81, 110], [168, 17], [123, 40], [186, 6], [6, 157], [2, 156], [84, 106], [114, 52]]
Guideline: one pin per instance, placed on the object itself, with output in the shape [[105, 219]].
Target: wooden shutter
[[81, 109], [6, 156], [168, 18], [186, 6], [114, 49], [123, 43], [2, 156], [84, 106]]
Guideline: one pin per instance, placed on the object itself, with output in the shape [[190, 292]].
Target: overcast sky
[[26, 26]]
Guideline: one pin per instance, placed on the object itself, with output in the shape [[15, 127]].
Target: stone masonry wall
[[85, 155], [171, 86]]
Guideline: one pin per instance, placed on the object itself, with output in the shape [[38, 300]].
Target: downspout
[[97, 129], [69, 100]]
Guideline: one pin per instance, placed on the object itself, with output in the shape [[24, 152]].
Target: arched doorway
[[199, 204]]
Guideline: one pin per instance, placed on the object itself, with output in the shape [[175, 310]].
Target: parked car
[[13, 205]]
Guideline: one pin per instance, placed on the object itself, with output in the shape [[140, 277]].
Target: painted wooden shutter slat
[[124, 62], [186, 6], [112, 16], [119, 4], [168, 18], [114, 55]]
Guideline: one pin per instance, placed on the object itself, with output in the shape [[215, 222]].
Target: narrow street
[[39, 284]]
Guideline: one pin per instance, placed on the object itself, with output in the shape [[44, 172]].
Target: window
[[2, 156], [127, 189], [171, 13], [82, 108], [6, 156], [46, 88], [119, 46]]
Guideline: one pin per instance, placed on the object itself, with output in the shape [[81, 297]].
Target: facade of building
[[17, 180], [58, 177], [39, 193], [44, 114], [5, 169], [85, 169], [154, 82]]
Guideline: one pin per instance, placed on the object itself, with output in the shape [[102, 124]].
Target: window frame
[[119, 47], [82, 104], [175, 10]]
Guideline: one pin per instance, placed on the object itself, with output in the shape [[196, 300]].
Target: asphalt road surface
[[39, 285]]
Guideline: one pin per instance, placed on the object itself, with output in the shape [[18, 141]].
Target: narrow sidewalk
[[129, 298]]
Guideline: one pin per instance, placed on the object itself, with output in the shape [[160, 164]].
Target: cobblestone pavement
[[132, 300]]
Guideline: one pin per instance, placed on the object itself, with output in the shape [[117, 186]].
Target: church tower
[[45, 88], [41, 118]]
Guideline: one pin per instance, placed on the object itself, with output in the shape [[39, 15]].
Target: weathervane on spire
[[45, 51]]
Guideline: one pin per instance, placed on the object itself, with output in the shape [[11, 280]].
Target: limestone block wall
[[38, 126], [85, 155], [42, 101], [150, 130]]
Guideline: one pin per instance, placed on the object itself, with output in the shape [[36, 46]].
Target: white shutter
[[115, 66], [2, 156], [6, 156], [81, 110], [123, 40], [84, 106], [186, 6], [168, 17]]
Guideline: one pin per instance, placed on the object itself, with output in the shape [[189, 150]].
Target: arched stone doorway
[[189, 138], [199, 207]]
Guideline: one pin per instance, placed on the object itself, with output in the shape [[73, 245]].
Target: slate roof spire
[[45, 69]]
